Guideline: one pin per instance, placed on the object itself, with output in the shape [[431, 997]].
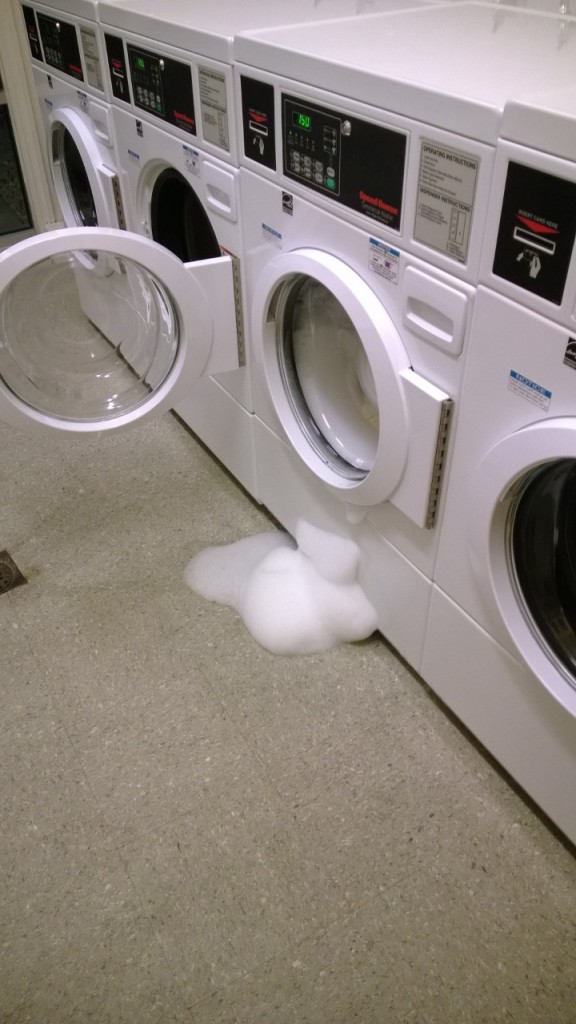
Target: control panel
[[357, 163], [537, 231], [312, 150], [258, 121], [162, 87], [32, 32], [60, 46], [117, 67]]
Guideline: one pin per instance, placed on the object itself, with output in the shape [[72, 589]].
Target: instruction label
[[445, 202], [91, 57], [384, 260], [528, 389], [214, 107]]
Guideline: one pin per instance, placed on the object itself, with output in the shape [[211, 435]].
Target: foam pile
[[294, 597]]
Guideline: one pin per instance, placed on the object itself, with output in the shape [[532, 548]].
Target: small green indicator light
[[301, 120], [330, 183]]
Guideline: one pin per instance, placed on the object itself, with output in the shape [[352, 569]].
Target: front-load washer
[[188, 201], [170, 76], [67, 56], [364, 214], [501, 641]]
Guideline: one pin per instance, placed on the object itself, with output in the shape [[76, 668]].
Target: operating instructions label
[[445, 202], [214, 107], [91, 57]]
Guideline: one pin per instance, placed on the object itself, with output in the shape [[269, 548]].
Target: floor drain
[[10, 575]]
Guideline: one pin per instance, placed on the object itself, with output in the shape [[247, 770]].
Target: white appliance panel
[[65, 39], [501, 640]]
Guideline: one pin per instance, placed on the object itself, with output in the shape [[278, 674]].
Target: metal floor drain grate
[[10, 575]]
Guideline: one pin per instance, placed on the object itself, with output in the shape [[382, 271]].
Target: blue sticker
[[528, 389]]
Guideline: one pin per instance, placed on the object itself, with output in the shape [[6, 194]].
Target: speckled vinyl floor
[[196, 831]]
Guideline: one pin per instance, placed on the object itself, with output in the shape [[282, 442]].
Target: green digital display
[[140, 64], [301, 120]]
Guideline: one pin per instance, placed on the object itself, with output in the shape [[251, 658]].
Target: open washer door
[[87, 188], [162, 324]]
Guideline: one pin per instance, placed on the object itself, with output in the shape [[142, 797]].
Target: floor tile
[[146, 762], [76, 945], [342, 975], [229, 885], [44, 789]]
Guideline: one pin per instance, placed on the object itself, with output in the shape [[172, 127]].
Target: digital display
[[301, 120], [140, 63]]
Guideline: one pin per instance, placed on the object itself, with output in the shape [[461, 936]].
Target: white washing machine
[[67, 54], [501, 642], [188, 201], [365, 196], [170, 75]]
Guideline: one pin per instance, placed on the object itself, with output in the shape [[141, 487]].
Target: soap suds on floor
[[294, 597]]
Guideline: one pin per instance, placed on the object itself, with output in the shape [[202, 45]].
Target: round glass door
[[179, 221], [542, 551], [333, 362], [86, 349], [74, 178], [327, 376], [83, 181], [520, 513]]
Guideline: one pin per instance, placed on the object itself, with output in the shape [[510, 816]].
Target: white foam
[[293, 598]]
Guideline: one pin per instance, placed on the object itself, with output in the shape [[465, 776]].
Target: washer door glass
[[327, 376], [80, 198], [94, 348], [542, 546], [59, 362], [179, 221]]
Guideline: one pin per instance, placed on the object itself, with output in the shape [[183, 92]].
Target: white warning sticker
[[528, 389], [191, 160], [445, 202], [384, 260]]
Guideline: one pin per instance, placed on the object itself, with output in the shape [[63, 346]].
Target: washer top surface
[[544, 120], [87, 9], [208, 28], [453, 65]]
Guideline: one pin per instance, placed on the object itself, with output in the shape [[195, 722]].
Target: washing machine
[[170, 76], [67, 55], [501, 641], [365, 185]]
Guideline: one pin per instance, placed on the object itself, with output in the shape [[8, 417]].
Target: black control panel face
[[258, 121], [354, 162], [60, 45], [117, 67], [32, 32], [537, 231], [162, 87]]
